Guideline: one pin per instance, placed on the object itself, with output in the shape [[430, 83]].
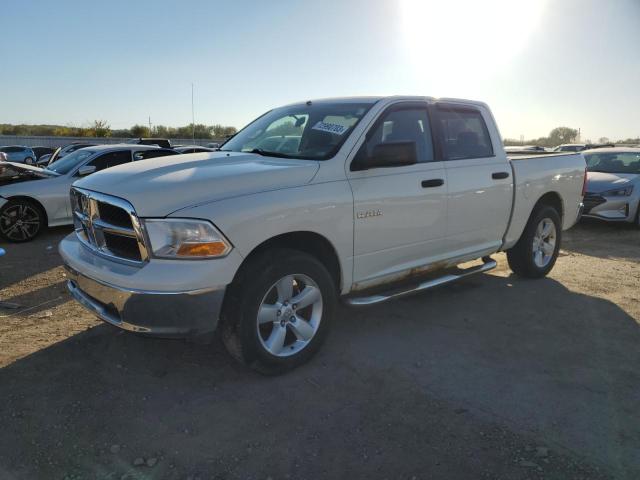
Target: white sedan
[[33, 198]]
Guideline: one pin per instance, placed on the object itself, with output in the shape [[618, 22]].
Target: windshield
[[309, 131], [614, 162], [70, 161]]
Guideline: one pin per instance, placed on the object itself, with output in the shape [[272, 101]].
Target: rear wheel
[[278, 311], [536, 252], [21, 221]]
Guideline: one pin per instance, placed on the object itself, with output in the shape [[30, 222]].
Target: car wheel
[[536, 252], [28, 161], [21, 221], [277, 312]]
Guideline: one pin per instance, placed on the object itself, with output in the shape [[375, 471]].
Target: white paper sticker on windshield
[[330, 127]]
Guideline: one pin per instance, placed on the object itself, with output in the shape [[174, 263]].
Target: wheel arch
[[551, 199], [309, 242]]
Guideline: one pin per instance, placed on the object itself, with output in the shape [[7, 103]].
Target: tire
[[21, 221], [531, 257], [28, 161], [286, 336]]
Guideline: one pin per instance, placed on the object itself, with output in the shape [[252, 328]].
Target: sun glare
[[449, 41]]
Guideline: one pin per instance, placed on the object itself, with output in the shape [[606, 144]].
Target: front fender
[[250, 220]]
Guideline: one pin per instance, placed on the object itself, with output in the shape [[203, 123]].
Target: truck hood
[[11, 173], [158, 187], [598, 182]]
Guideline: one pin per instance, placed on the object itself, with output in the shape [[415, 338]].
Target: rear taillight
[[584, 183]]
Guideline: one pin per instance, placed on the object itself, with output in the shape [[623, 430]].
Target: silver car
[[19, 154], [613, 184], [33, 198]]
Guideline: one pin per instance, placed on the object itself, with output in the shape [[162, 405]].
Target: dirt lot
[[494, 377]]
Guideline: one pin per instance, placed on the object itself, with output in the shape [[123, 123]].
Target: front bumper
[[164, 314], [612, 209], [163, 298]]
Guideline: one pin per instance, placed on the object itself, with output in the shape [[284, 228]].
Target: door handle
[[436, 182], [499, 175]]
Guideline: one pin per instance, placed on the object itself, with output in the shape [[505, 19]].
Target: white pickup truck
[[367, 199]]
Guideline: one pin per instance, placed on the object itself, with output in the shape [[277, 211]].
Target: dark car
[[161, 142], [72, 147], [40, 151]]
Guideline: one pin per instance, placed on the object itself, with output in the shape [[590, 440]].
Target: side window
[[112, 159], [463, 133], [401, 125], [144, 154]]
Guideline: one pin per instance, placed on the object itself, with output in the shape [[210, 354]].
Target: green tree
[[100, 128], [561, 135], [139, 131]]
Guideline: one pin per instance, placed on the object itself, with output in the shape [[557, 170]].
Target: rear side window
[[463, 133]]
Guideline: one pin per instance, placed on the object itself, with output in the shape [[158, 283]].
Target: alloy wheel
[[289, 315], [19, 222], [544, 242]]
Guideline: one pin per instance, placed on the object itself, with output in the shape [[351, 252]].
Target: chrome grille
[[109, 226]]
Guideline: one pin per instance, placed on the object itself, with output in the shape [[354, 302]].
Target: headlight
[[619, 192], [185, 238]]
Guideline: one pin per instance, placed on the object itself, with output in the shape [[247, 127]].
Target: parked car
[[524, 148], [49, 158], [72, 147], [160, 142], [19, 154], [33, 198], [613, 184], [591, 146], [369, 206], [570, 147], [213, 145], [40, 151], [193, 149]]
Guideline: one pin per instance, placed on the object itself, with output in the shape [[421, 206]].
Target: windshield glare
[[614, 162], [70, 161], [314, 132]]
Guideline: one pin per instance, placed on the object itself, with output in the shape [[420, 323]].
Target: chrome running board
[[488, 264]]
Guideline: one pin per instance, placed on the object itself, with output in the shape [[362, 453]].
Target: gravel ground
[[494, 377]]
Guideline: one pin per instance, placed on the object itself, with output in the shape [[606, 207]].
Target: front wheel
[[536, 252], [278, 310], [28, 161], [21, 221]]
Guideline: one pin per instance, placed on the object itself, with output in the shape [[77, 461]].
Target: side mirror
[[390, 154], [86, 170]]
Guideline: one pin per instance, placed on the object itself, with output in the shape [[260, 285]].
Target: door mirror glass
[[86, 170]]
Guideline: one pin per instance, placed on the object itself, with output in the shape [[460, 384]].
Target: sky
[[539, 64]]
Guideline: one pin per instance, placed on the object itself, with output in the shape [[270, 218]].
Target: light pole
[[193, 117]]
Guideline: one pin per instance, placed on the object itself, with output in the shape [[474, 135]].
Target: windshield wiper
[[267, 153]]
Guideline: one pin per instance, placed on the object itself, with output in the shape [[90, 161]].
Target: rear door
[[399, 211], [480, 183]]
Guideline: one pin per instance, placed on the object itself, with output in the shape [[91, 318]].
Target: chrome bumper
[[164, 314]]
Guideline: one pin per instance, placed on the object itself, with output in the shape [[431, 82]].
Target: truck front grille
[[109, 226]]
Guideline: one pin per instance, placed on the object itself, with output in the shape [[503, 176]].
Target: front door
[[399, 211]]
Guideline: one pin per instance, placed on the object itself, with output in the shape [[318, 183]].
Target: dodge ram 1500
[[367, 199]]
